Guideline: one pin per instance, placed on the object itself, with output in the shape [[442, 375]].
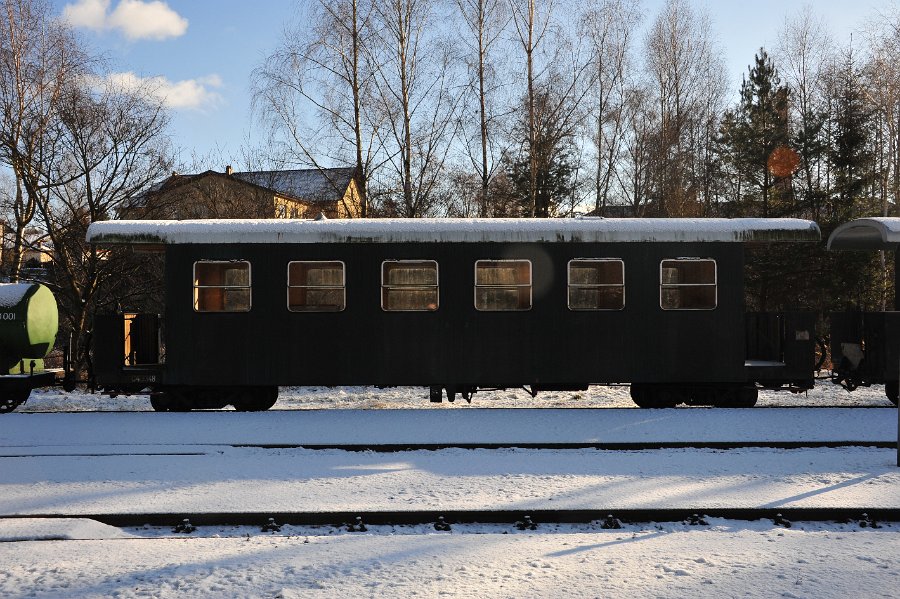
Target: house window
[[316, 287], [687, 284], [409, 285], [502, 285], [596, 284], [222, 286]]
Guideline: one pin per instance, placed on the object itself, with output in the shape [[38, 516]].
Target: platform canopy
[[877, 233], [424, 230]]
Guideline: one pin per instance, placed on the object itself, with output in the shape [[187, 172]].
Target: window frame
[[195, 286], [343, 286], [530, 284], [436, 286], [570, 285], [694, 259]]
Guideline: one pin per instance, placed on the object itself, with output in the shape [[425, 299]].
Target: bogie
[[186, 398], [669, 396]]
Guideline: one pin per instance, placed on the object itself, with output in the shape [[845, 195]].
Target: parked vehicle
[[28, 327], [864, 345], [455, 305]]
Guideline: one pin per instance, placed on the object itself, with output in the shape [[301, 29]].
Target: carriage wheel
[[255, 399], [892, 391], [161, 401], [653, 396]]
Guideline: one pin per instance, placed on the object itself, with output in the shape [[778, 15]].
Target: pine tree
[[850, 156], [755, 141], [810, 142]]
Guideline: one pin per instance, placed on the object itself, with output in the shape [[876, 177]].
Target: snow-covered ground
[[128, 463], [184, 480], [724, 559], [371, 398]]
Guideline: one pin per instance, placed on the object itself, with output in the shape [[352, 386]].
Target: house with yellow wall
[[298, 193]]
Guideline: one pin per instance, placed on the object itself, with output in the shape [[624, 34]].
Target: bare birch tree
[[111, 145], [882, 73], [610, 26], [532, 23], [314, 92], [38, 59], [418, 96], [688, 84], [803, 54], [486, 21], [640, 127]]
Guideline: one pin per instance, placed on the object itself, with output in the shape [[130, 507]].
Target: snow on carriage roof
[[420, 230], [876, 233]]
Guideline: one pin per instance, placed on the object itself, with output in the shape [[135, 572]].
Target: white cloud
[[194, 94], [87, 13], [147, 20], [136, 19]]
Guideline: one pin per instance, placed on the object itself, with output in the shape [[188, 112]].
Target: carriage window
[[502, 285], [596, 284], [316, 287], [222, 286], [409, 285], [687, 284]]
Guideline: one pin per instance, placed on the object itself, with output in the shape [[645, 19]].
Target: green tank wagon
[[28, 325]]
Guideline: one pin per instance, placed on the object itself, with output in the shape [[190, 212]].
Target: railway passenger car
[[865, 346], [454, 305]]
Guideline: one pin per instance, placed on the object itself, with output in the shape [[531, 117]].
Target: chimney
[[228, 170]]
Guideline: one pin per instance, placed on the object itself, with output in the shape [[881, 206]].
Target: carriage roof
[[421, 230], [876, 233]]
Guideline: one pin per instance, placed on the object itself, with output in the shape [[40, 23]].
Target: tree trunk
[[532, 134], [485, 175], [361, 175]]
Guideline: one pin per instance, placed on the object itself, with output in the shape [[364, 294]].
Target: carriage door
[[141, 338]]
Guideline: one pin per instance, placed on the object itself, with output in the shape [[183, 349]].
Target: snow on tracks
[[360, 429]]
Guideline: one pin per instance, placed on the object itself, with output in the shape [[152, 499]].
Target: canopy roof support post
[[897, 280]]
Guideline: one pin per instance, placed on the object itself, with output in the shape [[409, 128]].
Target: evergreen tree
[[755, 138], [810, 142], [809, 277], [850, 156]]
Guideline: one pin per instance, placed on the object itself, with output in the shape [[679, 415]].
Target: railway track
[[24, 409], [201, 450], [394, 430], [421, 467], [522, 520]]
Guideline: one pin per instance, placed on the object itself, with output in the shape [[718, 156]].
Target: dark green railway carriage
[[454, 305], [865, 346]]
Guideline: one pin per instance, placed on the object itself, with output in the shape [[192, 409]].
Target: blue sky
[[206, 49]]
